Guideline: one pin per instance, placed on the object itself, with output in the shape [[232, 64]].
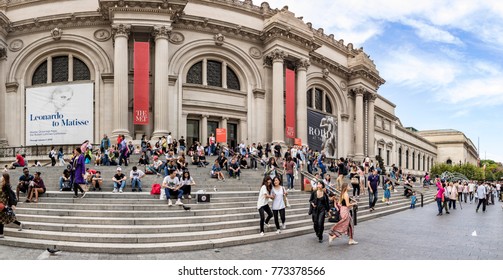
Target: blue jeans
[[122, 186], [232, 173], [169, 192], [136, 182], [289, 180], [60, 183], [439, 205], [372, 199]]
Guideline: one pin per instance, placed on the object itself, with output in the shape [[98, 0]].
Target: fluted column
[[161, 103], [278, 103], [343, 148], [371, 126], [3, 74], [243, 131], [359, 124], [350, 134], [121, 84], [301, 117], [204, 130], [260, 106]]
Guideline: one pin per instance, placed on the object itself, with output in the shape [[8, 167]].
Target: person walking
[[78, 172], [320, 205], [263, 203], [278, 204], [439, 197], [8, 204], [481, 194], [345, 224], [355, 181], [373, 182]]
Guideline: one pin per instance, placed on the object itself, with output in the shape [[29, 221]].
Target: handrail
[[37, 150], [412, 189]]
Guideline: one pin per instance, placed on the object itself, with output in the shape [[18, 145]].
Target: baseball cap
[[156, 157], [119, 169]]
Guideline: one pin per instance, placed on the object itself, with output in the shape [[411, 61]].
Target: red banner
[[221, 135], [290, 103], [141, 82]]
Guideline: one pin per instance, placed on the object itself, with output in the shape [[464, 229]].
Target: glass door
[[232, 132], [192, 132]]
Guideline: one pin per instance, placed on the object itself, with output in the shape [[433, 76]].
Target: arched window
[[318, 99], [215, 72], [449, 162], [232, 80], [60, 70]]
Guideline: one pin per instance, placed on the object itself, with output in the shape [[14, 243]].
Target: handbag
[[355, 181], [334, 215], [9, 212], [285, 199]]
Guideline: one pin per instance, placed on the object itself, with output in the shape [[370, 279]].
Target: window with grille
[[310, 98], [328, 105], [318, 97], [40, 75], [59, 69], [80, 70], [214, 73], [232, 80], [195, 74]]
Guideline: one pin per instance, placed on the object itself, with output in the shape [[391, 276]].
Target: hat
[[119, 169], [156, 157]]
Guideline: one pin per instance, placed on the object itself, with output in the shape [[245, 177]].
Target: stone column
[[371, 126], [278, 102], [243, 131], [204, 130], [344, 152], [161, 104], [359, 124], [3, 74], [223, 124], [107, 114], [350, 133], [260, 107], [301, 114], [121, 83]]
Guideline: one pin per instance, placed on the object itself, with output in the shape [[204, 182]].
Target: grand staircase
[[132, 222]]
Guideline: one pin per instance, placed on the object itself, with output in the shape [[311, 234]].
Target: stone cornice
[[331, 65], [172, 7], [264, 10], [213, 26], [61, 20], [278, 30], [368, 75]]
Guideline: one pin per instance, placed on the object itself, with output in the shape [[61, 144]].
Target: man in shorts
[[25, 181]]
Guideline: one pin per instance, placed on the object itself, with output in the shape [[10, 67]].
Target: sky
[[442, 59]]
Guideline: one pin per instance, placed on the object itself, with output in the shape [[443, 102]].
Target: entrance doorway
[[192, 132], [232, 132], [212, 129]]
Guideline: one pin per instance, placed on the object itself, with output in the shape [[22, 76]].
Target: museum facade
[[75, 70]]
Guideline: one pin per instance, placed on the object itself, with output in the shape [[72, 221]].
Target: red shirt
[[20, 160]]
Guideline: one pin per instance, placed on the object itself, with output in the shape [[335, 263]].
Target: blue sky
[[442, 59]]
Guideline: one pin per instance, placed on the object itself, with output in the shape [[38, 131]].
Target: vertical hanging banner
[[141, 82], [290, 102], [221, 135]]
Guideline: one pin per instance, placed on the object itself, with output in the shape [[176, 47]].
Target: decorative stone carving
[[162, 32], [325, 72], [259, 93], [16, 45], [176, 38], [102, 35], [219, 39], [344, 86], [277, 55], [303, 64], [255, 53], [121, 30], [56, 33]]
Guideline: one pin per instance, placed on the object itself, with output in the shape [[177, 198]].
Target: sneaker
[[120, 191], [330, 239], [83, 194], [283, 226], [134, 190], [261, 233], [267, 225], [60, 190], [278, 231], [178, 202], [189, 196], [114, 191], [352, 242], [169, 202], [21, 227], [239, 178], [140, 190]]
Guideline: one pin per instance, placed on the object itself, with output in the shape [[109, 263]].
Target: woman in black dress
[[319, 201]]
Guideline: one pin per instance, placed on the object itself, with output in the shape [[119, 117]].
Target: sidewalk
[[408, 235]]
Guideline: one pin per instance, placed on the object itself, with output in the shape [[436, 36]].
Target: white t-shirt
[[171, 183], [262, 200], [186, 181], [278, 203], [136, 174], [169, 139]]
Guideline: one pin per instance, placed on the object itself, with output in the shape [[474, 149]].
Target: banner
[[322, 133], [290, 103], [141, 82], [58, 115], [221, 135]]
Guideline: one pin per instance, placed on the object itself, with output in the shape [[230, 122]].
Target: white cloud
[[431, 33], [476, 92]]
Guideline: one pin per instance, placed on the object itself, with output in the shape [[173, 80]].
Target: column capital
[[3, 53], [344, 117], [258, 93], [205, 116], [225, 118], [162, 32], [358, 91], [121, 30], [277, 55], [303, 64], [371, 97]]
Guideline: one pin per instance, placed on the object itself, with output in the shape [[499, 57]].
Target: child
[[387, 191], [413, 200]]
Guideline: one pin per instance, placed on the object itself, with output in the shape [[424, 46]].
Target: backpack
[[67, 186], [156, 189], [345, 170]]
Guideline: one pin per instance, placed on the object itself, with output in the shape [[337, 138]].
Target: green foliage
[[471, 171]]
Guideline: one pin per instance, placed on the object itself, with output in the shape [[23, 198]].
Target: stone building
[[213, 64]]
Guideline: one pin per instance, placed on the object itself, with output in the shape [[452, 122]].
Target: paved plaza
[[409, 235]]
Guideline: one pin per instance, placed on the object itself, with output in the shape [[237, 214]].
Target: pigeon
[[215, 189], [186, 208], [52, 251]]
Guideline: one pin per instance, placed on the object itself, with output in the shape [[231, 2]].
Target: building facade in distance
[[68, 74]]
